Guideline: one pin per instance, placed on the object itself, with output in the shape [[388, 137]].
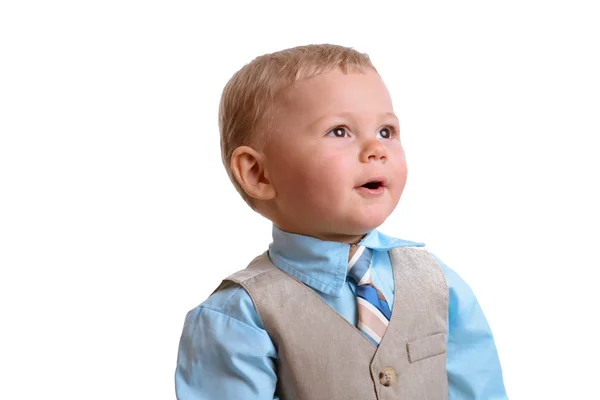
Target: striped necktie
[[373, 310]]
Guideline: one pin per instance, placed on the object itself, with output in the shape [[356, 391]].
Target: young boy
[[334, 309]]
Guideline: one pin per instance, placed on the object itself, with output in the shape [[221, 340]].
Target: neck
[[325, 236], [353, 248]]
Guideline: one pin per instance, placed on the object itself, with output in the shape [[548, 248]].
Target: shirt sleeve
[[472, 361], [224, 353]]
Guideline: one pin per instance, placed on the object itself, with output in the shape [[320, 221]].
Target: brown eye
[[386, 132], [340, 131]]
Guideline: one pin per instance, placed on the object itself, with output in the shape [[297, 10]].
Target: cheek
[[290, 173], [398, 159], [312, 178], [330, 167], [323, 178], [401, 169], [398, 168]]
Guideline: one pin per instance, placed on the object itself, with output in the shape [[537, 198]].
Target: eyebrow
[[347, 115]]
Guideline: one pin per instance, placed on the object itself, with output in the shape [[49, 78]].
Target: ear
[[248, 167]]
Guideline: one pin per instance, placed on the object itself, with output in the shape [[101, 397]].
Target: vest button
[[387, 376]]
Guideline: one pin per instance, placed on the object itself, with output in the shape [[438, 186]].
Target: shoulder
[[232, 301], [461, 296], [223, 344], [453, 278]]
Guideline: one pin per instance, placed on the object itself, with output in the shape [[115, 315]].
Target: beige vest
[[322, 356]]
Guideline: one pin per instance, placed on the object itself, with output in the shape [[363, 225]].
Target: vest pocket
[[426, 347]]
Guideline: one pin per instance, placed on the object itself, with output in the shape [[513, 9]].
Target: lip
[[373, 192]]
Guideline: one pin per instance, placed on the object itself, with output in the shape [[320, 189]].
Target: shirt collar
[[322, 264]]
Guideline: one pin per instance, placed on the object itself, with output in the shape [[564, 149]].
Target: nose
[[373, 150]]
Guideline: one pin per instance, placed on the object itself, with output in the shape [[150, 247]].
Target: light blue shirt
[[225, 353]]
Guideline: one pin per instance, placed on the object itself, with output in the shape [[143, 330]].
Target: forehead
[[334, 91]]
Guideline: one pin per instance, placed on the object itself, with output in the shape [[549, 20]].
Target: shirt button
[[387, 376]]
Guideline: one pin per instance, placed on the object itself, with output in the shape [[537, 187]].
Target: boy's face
[[334, 134]]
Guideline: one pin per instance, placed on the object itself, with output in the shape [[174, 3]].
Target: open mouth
[[373, 185]]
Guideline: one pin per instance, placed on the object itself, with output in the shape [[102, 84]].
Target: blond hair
[[248, 101]]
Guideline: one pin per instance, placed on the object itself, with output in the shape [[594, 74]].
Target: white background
[[112, 189]]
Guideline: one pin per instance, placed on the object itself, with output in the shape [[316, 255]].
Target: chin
[[365, 225], [371, 220]]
